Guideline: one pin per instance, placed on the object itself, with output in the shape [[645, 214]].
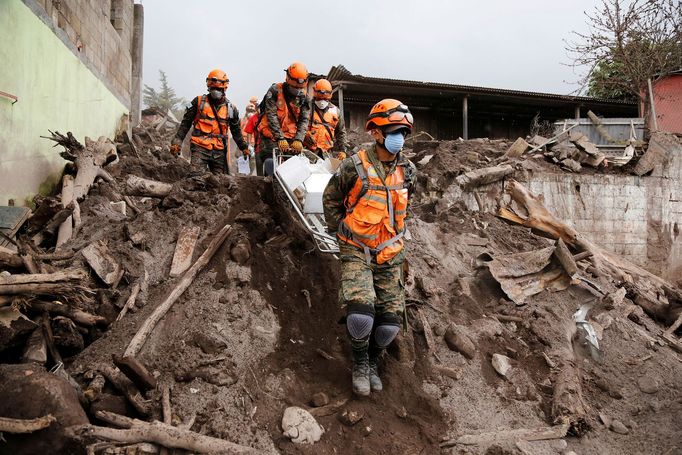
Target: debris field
[[146, 309]]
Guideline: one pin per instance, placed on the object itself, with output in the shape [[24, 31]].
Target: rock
[[648, 384], [439, 329], [320, 399], [458, 341], [241, 251], [208, 342], [618, 427], [119, 207], [518, 148], [350, 418], [367, 430], [300, 426], [501, 363], [402, 412], [615, 298], [28, 391], [572, 165]]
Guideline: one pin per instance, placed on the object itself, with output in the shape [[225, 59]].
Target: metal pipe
[[12, 97]]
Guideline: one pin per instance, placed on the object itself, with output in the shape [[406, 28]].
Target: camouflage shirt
[[345, 177], [270, 107], [233, 121]]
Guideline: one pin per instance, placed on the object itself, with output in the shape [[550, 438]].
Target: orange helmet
[[217, 79], [322, 90], [389, 115], [297, 75]]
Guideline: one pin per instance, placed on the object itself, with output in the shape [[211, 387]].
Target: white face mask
[[322, 104]]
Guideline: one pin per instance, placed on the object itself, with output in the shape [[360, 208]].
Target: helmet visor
[[216, 81], [396, 115]]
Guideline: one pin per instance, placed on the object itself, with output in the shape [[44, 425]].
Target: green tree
[[165, 98], [628, 42], [600, 86]]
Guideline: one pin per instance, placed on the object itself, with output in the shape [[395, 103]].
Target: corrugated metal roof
[[341, 74]]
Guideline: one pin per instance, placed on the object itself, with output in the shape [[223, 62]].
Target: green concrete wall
[[56, 91]]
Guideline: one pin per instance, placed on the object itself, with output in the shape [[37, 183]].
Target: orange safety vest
[[209, 132], [323, 129], [286, 113], [375, 211]]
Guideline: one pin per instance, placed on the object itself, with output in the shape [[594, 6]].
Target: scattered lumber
[[135, 371], [601, 129], [148, 326], [127, 388], [8, 425], [184, 249], [138, 186], [79, 316], [35, 350], [104, 265], [58, 283], [527, 434], [130, 303], [135, 431]]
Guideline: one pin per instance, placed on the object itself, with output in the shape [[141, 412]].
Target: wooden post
[[465, 117], [654, 121], [577, 112], [341, 104]]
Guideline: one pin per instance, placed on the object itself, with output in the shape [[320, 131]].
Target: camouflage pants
[[205, 161], [380, 286]]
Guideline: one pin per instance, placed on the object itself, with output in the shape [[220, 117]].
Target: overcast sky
[[490, 43]]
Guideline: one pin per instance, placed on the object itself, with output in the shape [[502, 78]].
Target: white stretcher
[[303, 183]]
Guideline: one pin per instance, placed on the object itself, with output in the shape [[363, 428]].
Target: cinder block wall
[[102, 34], [637, 217]]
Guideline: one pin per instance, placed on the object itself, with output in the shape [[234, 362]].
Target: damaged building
[[449, 111], [78, 65]]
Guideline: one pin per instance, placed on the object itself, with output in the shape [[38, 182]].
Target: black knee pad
[[386, 329], [359, 321]]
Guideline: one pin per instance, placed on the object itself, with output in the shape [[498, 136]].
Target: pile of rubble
[[146, 309]]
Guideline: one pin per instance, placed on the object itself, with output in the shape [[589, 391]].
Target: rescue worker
[[365, 205], [326, 129], [285, 116], [211, 115]]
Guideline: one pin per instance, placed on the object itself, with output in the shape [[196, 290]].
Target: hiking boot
[[374, 379], [361, 373]]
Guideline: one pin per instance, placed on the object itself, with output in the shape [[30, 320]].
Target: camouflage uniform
[[205, 160], [374, 291], [270, 111]]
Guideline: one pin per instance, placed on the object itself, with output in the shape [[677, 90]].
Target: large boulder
[[28, 391]]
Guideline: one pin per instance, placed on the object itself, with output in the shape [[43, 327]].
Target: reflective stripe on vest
[[375, 211], [322, 129], [209, 132], [287, 114]]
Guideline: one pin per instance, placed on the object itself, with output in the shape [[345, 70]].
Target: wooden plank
[[184, 250], [105, 266]]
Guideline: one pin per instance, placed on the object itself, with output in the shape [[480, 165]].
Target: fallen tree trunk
[[50, 289], [136, 431], [74, 314], [542, 222], [8, 425], [88, 161], [483, 176], [138, 186], [140, 337], [56, 277]]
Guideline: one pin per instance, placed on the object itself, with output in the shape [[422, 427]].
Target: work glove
[[297, 146], [283, 145], [176, 145], [341, 156]]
